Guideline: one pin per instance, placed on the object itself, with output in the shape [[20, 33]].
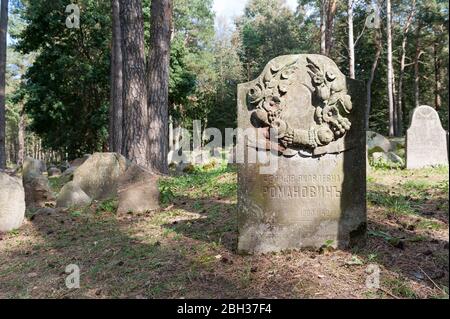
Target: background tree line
[[80, 90]]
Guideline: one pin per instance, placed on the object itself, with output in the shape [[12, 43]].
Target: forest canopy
[[63, 92]]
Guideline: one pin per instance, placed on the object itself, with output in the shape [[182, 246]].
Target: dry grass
[[188, 248]]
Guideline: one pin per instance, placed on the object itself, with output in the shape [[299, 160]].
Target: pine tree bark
[[21, 138], [416, 66], [323, 19], [331, 12], [351, 43], [400, 110], [437, 76], [116, 98], [327, 12], [135, 133], [390, 68], [372, 74], [158, 84], [3, 44]]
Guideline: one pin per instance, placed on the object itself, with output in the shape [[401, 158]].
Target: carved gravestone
[[306, 119], [426, 140]]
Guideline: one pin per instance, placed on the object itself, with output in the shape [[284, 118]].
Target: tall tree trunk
[[323, 27], [330, 13], [327, 12], [372, 74], [400, 110], [135, 134], [351, 43], [3, 45], [158, 84], [116, 104], [390, 68], [437, 76], [416, 66]]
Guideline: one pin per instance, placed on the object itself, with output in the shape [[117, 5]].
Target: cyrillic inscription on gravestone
[[426, 140], [304, 185]]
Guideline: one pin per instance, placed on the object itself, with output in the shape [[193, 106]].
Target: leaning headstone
[[98, 175], [32, 168], [12, 202], [377, 143], [426, 140], [38, 192], [137, 191], [71, 195], [305, 184]]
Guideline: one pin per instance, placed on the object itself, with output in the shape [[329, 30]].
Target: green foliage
[[200, 183], [108, 205], [395, 204], [67, 87], [65, 90]]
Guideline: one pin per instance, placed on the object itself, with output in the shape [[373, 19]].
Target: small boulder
[[377, 143], [398, 143], [64, 165], [387, 157], [79, 161], [98, 175], [394, 158], [379, 156], [38, 192], [53, 171], [67, 175], [71, 195], [32, 168], [137, 191], [12, 203]]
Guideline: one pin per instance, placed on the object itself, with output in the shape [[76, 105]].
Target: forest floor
[[187, 249]]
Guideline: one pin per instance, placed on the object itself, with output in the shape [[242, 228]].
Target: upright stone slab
[[316, 194], [426, 140]]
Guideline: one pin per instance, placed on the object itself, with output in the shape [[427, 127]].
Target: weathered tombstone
[[305, 184], [98, 175], [12, 202], [137, 191], [426, 140]]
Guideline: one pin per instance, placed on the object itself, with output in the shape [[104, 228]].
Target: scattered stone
[[67, 175], [71, 195], [38, 192], [12, 202], [65, 165], [32, 168], [137, 191], [377, 143], [53, 171], [388, 158], [398, 143], [98, 176], [307, 187], [79, 161], [426, 140]]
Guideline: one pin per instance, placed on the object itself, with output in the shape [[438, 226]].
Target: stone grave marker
[[316, 194], [426, 140]]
